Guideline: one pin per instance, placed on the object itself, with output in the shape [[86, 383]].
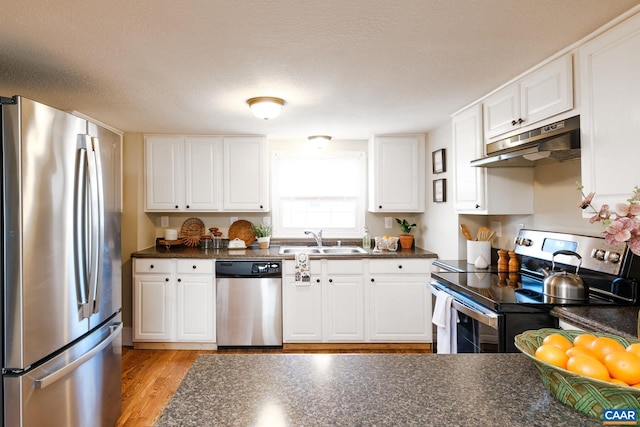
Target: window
[[318, 192]]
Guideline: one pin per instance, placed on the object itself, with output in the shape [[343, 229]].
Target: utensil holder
[[476, 248]]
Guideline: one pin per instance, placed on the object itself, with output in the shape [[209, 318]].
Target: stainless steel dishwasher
[[249, 303]]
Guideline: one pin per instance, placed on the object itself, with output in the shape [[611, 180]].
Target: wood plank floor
[[151, 377]]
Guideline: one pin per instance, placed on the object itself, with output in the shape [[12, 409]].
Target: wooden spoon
[[465, 231]]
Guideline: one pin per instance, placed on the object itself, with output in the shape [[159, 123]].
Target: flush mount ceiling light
[[265, 107], [319, 141]]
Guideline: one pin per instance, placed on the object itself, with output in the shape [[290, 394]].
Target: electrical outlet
[[233, 219], [496, 227], [164, 221], [387, 222]]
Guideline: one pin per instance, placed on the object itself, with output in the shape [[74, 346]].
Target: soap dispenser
[[366, 239]]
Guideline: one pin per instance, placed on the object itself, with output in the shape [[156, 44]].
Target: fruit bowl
[[587, 395]]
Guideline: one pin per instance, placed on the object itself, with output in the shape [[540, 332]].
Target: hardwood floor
[[151, 377]]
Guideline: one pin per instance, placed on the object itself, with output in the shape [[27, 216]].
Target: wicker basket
[[586, 395]]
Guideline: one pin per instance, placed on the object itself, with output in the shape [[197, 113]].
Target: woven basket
[[586, 395]]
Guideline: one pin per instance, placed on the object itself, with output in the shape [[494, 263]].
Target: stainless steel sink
[[322, 250]]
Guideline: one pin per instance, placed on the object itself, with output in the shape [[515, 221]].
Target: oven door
[[478, 329]]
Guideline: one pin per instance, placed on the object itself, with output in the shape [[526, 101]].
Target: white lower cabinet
[[173, 300], [398, 300], [358, 301]]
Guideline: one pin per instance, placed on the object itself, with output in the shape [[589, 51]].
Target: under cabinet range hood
[[558, 141]]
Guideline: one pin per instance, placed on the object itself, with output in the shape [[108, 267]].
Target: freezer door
[[81, 386]]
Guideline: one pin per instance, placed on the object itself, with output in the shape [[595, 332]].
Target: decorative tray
[[242, 230]]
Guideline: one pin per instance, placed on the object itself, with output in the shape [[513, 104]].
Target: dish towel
[[303, 274], [445, 317]]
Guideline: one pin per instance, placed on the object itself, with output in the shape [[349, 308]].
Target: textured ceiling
[[346, 68]]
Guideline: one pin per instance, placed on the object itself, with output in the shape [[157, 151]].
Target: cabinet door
[[302, 310], [343, 305], [203, 173], [164, 173], [399, 308], [246, 180], [547, 91], [153, 313], [502, 111], [469, 182], [396, 173], [195, 308], [610, 119]]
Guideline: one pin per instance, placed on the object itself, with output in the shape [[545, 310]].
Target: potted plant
[[263, 233], [406, 238]]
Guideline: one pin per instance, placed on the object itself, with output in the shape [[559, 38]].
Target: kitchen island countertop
[[366, 389], [622, 321]]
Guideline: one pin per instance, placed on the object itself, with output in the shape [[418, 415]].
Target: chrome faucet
[[318, 236]]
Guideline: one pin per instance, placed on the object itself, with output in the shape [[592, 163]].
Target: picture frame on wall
[[439, 190], [439, 161]]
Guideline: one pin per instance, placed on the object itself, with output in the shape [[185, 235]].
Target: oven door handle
[[488, 318]]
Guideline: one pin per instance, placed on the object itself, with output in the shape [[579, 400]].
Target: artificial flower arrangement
[[622, 224]]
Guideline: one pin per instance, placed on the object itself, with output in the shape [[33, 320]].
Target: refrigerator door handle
[[54, 376], [81, 231], [99, 217]]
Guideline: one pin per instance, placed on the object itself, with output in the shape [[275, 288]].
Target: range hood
[[558, 141]]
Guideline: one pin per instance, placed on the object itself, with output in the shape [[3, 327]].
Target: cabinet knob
[[176, 206], [261, 207], [520, 121], [373, 280], [166, 279], [151, 266], [513, 123], [330, 280], [477, 206], [380, 207], [187, 206], [317, 280], [179, 280], [194, 267], [400, 266]]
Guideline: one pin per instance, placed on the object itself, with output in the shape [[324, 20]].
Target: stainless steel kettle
[[563, 286]]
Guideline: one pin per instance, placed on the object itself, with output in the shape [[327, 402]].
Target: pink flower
[[603, 214], [619, 230], [587, 200], [630, 210], [634, 245]]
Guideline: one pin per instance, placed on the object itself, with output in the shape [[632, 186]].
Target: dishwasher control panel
[[249, 268], [268, 267]]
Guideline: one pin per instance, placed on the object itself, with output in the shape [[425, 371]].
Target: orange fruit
[[624, 366], [573, 351], [588, 366], [558, 340], [602, 346], [583, 340], [552, 355], [634, 348]]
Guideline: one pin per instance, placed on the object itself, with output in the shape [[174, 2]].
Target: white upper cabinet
[[246, 182], [206, 174], [610, 119], [541, 94], [396, 173], [477, 190]]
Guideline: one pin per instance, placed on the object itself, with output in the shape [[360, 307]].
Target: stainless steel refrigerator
[[61, 271]]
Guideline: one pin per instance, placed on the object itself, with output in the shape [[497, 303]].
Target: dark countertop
[[272, 252], [366, 389], [621, 321]]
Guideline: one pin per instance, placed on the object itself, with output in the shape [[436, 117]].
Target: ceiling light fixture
[[265, 107], [319, 141]]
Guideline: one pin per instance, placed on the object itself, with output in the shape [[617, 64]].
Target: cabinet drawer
[[395, 266], [197, 266], [289, 267], [344, 267], [153, 265]]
